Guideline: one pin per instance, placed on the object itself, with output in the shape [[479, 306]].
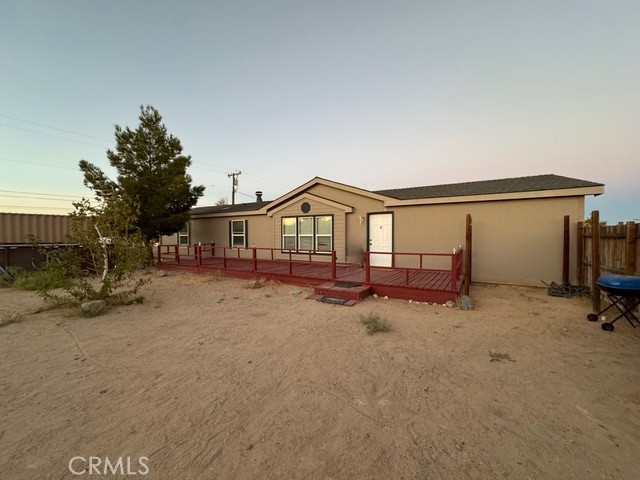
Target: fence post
[[213, 249], [566, 247], [467, 253], [224, 257], [198, 251], [580, 254], [290, 264], [595, 258], [177, 253], [630, 255], [159, 254], [630, 250]]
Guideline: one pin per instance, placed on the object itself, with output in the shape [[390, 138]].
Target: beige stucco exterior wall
[[207, 230], [355, 222], [317, 208], [514, 241]]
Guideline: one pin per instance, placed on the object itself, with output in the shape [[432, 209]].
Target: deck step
[[343, 290], [332, 300]]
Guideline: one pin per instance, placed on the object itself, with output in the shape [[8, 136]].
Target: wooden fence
[[611, 249]]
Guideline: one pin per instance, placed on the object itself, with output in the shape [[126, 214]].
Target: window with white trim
[[183, 235], [305, 233], [324, 233], [289, 233], [238, 233], [308, 233]]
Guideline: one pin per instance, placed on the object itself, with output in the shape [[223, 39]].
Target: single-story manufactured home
[[518, 225]]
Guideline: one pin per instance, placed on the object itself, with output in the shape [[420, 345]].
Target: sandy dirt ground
[[211, 379]]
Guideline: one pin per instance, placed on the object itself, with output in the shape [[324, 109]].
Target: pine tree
[[152, 176]]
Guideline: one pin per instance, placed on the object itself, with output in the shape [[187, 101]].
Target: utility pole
[[234, 185]]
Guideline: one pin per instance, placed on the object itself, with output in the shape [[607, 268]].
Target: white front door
[[381, 239]]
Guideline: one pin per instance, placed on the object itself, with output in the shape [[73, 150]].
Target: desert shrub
[[8, 276], [39, 280], [215, 276], [106, 253], [374, 323]]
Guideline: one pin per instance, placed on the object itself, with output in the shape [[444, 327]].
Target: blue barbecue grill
[[618, 288]]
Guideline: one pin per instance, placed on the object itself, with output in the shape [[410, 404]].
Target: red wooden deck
[[426, 285]]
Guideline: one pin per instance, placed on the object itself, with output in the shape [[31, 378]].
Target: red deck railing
[[434, 271], [418, 259], [201, 255]]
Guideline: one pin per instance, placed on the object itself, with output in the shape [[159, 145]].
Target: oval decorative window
[[305, 207]]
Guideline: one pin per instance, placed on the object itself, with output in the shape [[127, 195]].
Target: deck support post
[[367, 267], [454, 278], [197, 249], [290, 264], [213, 249], [224, 257], [334, 270], [159, 248], [177, 254], [255, 260]]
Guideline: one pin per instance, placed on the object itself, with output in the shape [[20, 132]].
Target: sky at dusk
[[375, 94]]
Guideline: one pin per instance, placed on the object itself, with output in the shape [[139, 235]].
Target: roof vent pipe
[[259, 196]]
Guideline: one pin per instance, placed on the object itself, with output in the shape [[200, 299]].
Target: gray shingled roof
[[484, 187], [487, 187], [238, 207]]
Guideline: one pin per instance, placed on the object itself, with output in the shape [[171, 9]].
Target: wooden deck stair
[[341, 293]]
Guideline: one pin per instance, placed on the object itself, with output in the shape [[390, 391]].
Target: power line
[[245, 194], [268, 181], [52, 136], [207, 168], [37, 198], [40, 193], [54, 128], [271, 182], [31, 206], [37, 164]]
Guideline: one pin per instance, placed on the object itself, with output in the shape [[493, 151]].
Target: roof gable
[[323, 181], [309, 196]]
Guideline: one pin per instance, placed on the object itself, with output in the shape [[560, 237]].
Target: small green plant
[[38, 280], [254, 284], [10, 317], [374, 323], [7, 277], [215, 276]]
